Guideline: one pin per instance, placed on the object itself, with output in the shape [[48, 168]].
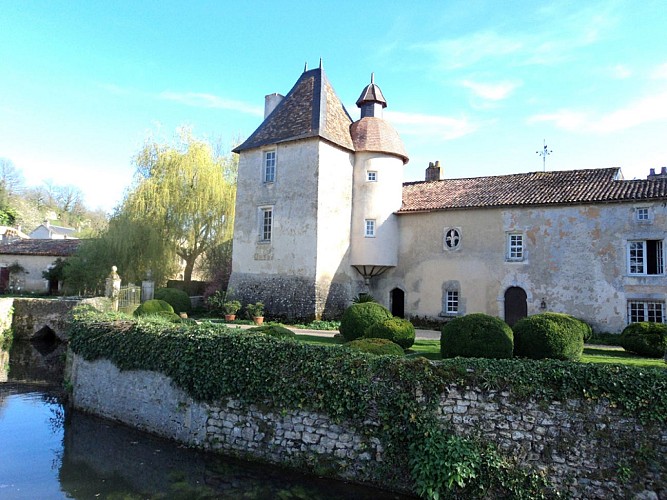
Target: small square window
[[370, 228], [371, 176], [269, 166], [642, 214], [515, 246]]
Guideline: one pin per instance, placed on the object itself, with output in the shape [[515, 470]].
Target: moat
[[50, 451]]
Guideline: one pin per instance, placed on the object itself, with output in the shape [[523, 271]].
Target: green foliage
[[212, 362], [319, 324], [645, 338], [476, 336], [549, 335], [358, 317], [377, 346], [398, 330], [56, 271], [154, 306], [176, 298], [255, 310], [363, 297], [278, 331]]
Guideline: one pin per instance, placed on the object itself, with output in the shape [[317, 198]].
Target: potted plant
[[231, 307], [256, 312]]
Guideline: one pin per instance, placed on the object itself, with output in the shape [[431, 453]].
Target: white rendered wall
[[376, 200]]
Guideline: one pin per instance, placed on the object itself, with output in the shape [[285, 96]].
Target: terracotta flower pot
[[230, 317], [258, 320]]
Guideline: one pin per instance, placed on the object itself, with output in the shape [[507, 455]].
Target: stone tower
[[315, 200]]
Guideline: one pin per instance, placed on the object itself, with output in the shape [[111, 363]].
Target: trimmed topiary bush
[[645, 338], [154, 306], [358, 317], [273, 330], [476, 336], [398, 330], [383, 347], [178, 299], [549, 335]]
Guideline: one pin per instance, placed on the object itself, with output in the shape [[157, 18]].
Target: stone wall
[[588, 450]]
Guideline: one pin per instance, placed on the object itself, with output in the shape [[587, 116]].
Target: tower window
[[266, 224], [371, 176], [369, 228], [269, 166]]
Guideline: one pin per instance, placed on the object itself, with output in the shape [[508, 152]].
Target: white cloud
[[647, 110], [621, 72], [202, 100], [660, 72], [441, 127], [491, 91]]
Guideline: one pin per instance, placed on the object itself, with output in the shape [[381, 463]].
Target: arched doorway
[[397, 300], [516, 306]]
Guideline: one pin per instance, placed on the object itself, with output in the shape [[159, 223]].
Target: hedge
[[176, 298], [212, 362], [358, 317], [550, 335], [376, 346], [398, 330], [476, 335], [645, 338]]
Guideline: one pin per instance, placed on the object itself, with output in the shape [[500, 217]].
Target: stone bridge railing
[[33, 319]]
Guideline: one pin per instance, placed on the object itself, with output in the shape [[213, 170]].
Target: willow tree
[[181, 205]]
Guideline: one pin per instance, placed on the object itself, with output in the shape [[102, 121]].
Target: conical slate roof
[[310, 109]]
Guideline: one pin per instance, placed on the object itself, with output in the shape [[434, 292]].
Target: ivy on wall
[[212, 362]]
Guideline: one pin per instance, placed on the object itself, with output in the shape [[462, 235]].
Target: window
[[642, 214], [515, 246], [452, 238], [452, 302], [639, 310], [645, 257], [266, 224], [371, 176], [269, 166], [370, 228]]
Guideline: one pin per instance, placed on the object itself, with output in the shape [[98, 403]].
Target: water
[[48, 451]]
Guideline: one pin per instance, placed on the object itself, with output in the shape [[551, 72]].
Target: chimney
[[433, 171], [662, 175], [270, 103]]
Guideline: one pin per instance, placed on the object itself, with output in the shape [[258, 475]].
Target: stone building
[[322, 214]]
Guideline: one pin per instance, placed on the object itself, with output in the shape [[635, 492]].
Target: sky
[[477, 85]]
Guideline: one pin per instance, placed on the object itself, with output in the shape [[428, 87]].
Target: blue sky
[[475, 84]]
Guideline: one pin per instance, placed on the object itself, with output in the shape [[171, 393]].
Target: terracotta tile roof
[[56, 248], [310, 109], [535, 188], [375, 134]]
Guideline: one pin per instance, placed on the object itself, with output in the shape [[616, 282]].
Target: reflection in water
[[50, 452]]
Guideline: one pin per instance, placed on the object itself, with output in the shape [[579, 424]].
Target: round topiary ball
[[178, 299], [476, 336], [398, 330], [154, 306], [645, 338], [383, 347], [273, 330], [358, 317], [549, 335]]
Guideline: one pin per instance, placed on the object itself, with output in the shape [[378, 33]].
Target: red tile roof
[[375, 134], [535, 188], [55, 248]]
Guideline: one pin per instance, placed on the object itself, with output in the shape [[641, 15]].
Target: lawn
[[592, 354]]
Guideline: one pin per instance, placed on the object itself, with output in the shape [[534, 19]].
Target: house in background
[[47, 231], [8, 233], [22, 263], [322, 214]]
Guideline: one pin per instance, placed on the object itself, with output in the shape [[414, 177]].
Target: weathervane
[[544, 153]]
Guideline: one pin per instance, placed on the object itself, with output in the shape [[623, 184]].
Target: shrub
[[273, 330], [176, 298], [363, 297], [398, 330], [549, 335], [358, 317], [154, 306], [476, 336], [645, 338], [255, 310], [383, 347], [586, 329]]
